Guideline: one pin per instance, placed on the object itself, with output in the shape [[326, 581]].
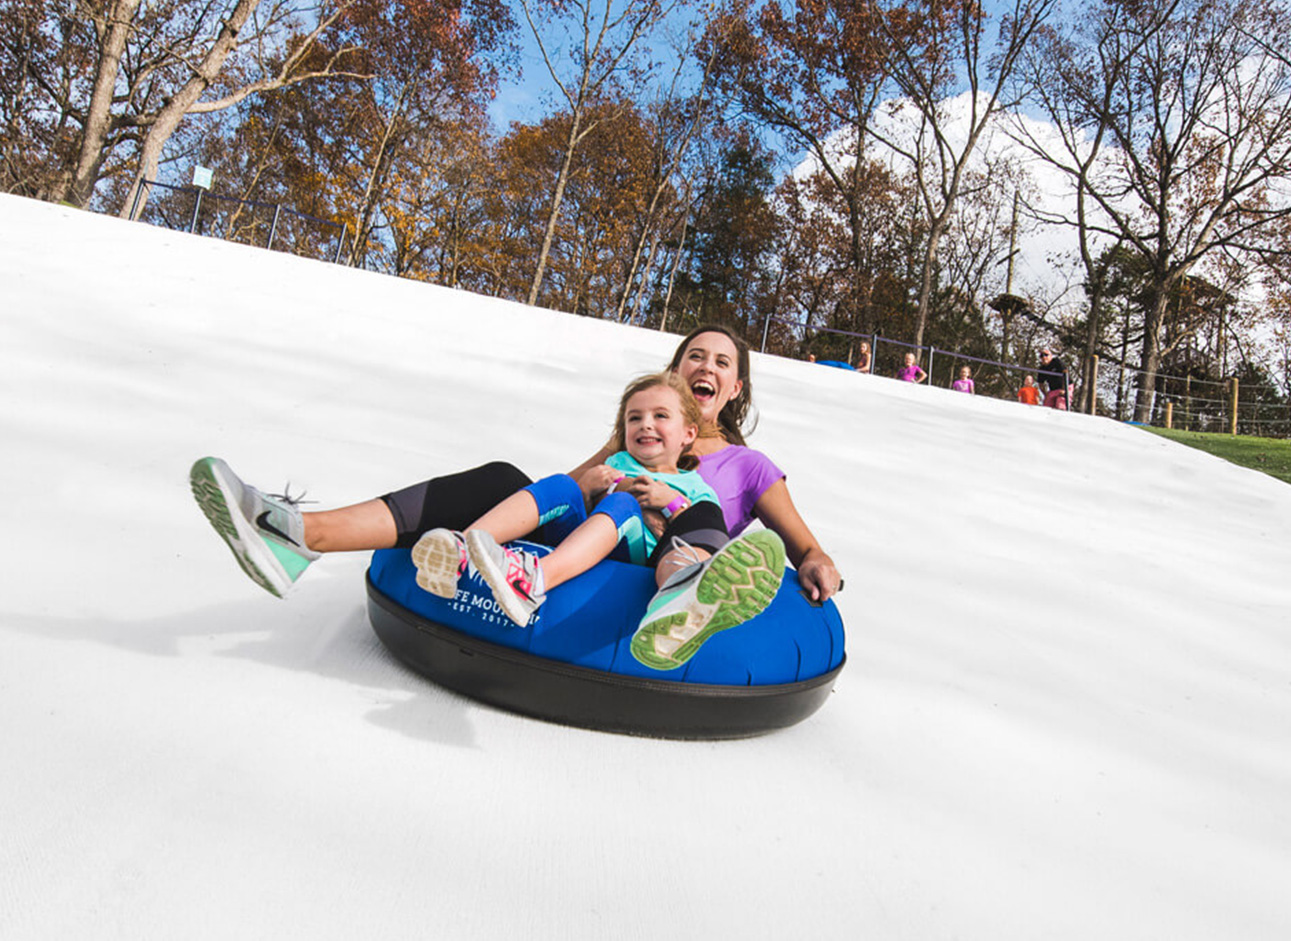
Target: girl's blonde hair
[[689, 411]]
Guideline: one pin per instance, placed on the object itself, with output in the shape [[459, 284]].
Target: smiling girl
[[658, 421]]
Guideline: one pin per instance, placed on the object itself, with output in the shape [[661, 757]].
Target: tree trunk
[[114, 33], [376, 180], [1088, 394], [562, 179], [173, 112], [925, 282], [1150, 362]]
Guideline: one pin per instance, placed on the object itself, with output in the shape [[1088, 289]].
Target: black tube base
[[591, 699]]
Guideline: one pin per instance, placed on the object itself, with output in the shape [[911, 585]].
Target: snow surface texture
[[1066, 712]]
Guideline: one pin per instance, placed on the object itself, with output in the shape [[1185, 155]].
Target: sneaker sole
[[741, 581], [214, 500], [497, 581], [438, 560]]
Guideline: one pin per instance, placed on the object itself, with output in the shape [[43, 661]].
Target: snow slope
[[1066, 713]]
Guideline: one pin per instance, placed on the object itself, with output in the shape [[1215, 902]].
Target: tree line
[[775, 165]]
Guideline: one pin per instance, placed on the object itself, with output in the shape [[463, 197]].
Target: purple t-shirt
[[740, 476], [963, 385], [909, 373]]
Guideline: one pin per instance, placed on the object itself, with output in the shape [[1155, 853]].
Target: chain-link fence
[[249, 221], [1186, 403]]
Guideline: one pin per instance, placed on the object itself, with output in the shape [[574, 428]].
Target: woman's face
[[710, 365]]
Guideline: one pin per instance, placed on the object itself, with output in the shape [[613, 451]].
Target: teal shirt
[[688, 483]]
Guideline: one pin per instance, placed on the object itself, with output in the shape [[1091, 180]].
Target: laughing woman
[[275, 542]]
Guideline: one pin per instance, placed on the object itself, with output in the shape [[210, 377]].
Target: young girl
[[658, 420], [911, 371], [965, 381]]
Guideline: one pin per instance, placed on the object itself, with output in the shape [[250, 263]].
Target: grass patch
[[1270, 455]]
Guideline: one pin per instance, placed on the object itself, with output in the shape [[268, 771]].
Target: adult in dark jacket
[[1052, 374]]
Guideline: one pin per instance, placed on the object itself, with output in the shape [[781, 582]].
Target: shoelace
[[687, 550], [288, 499], [517, 574]]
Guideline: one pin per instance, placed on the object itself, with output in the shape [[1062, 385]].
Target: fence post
[[273, 227], [1169, 415], [766, 326], [1232, 415], [134, 206], [932, 351], [197, 207], [345, 230]]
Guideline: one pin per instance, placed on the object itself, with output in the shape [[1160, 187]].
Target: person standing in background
[[1052, 374]]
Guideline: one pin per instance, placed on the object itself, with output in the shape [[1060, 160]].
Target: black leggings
[[456, 501]]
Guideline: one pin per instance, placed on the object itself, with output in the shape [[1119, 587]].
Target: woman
[[275, 542], [715, 364]]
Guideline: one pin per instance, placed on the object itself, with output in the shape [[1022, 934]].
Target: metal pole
[[345, 228], [273, 227], [197, 207], [766, 326], [134, 206], [932, 351]]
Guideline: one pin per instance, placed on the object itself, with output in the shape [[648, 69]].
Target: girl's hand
[[651, 494], [818, 576], [596, 480], [654, 522]]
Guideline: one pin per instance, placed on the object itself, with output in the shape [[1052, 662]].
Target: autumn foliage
[[792, 168]]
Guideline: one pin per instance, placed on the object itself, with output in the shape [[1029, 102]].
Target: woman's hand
[[650, 493], [818, 576]]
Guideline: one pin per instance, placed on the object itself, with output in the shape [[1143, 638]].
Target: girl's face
[[710, 365], [655, 431], [909, 359], [964, 372]]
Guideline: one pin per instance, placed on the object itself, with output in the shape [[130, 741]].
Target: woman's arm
[[816, 569], [593, 476], [597, 458]]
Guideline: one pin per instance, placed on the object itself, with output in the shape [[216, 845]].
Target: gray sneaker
[[265, 532], [513, 574], [732, 587]]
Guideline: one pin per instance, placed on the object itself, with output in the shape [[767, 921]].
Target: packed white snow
[[1066, 711]]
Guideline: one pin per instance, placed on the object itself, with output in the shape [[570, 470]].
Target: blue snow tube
[[572, 664]]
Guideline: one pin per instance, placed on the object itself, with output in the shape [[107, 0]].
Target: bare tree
[[162, 123], [815, 73], [934, 50], [1196, 112], [152, 64], [678, 118], [603, 44]]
